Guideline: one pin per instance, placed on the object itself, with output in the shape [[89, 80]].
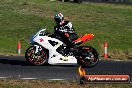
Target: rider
[[64, 30]]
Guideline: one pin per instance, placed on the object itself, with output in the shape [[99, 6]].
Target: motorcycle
[[46, 49]]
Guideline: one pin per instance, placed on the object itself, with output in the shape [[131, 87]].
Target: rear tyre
[[38, 58], [89, 57]]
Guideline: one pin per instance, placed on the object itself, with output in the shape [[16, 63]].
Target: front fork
[[38, 48]]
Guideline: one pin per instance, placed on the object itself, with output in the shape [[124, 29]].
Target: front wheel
[[89, 56], [36, 58]]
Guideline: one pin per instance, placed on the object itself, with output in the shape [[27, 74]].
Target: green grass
[[19, 19], [55, 84]]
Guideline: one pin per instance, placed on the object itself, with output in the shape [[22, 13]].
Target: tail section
[[84, 38]]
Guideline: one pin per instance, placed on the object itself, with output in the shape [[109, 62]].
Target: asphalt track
[[15, 67]]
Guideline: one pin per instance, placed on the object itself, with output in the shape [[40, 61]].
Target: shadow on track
[[25, 63], [14, 62]]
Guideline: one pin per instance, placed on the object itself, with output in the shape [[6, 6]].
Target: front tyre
[[38, 58], [89, 57]]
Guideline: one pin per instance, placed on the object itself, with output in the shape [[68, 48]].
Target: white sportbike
[[47, 49]]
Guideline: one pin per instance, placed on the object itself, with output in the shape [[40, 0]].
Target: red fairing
[[85, 38]]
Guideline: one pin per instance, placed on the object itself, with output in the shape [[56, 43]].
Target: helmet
[[58, 18]]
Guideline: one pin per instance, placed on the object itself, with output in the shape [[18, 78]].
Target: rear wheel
[[38, 58], [89, 57]]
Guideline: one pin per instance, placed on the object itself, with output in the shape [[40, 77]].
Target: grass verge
[[55, 84]]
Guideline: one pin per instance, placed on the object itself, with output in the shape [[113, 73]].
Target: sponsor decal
[[41, 40]]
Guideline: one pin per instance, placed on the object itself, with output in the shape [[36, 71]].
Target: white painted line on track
[[56, 79], [3, 77], [32, 78], [28, 78], [118, 60]]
